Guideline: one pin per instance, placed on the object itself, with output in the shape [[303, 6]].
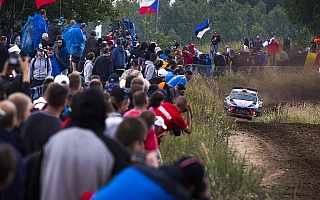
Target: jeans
[[214, 49], [273, 59]]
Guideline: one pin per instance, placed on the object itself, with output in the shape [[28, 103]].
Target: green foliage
[[89, 11], [305, 13], [230, 175]]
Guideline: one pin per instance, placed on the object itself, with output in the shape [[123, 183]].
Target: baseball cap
[[118, 94], [190, 73], [160, 122], [62, 80], [84, 24], [162, 72], [135, 62], [114, 78], [181, 87], [193, 171]]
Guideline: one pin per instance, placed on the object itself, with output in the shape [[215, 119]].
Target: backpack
[[32, 66]]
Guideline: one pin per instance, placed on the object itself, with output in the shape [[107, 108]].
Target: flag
[[202, 28], [1, 2], [148, 6], [40, 3]]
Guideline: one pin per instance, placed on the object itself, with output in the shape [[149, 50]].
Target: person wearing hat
[[183, 180], [134, 71], [181, 79], [120, 102], [53, 31], [40, 68], [215, 40]]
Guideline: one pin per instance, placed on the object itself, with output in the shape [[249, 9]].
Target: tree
[[305, 13], [88, 10]]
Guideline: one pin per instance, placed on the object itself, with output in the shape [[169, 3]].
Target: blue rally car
[[243, 102]]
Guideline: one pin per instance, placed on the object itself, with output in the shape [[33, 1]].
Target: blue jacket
[[143, 182], [179, 79], [169, 76], [55, 66], [40, 26], [63, 54], [74, 40], [118, 57], [16, 190]]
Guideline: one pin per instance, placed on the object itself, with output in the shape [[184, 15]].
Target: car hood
[[242, 103]]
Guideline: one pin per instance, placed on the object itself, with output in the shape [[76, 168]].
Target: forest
[[176, 19]]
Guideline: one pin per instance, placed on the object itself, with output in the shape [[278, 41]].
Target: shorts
[[75, 59]]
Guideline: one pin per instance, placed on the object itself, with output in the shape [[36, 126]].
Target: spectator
[[40, 68], [40, 102], [150, 69], [176, 45], [134, 71], [4, 55], [156, 99], [88, 65], [43, 124], [181, 79], [56, 63], [90, 43], [150, 142], [120, 102], [103, 66], [44, 41], [177, 91], [140, 102], [75, 83], [7, 165], [284, 59], [273, 49], [16, 36], [40, 26], [24, 106], [75, 43], [257, 44], [8, 118], [287, 45], [118, 55], [82, 140], [53, 32], [215, 40], [171, 113], [185, 179], [63, 54]]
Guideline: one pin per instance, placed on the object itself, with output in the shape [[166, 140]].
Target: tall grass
[[230, 175]]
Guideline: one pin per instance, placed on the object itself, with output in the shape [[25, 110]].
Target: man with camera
[[40, 68]]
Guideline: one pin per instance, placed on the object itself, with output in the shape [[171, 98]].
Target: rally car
[[243, 102]]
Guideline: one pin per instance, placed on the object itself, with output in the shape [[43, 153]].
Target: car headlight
[[232, 103]]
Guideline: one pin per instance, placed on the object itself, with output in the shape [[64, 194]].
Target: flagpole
[[157, 16]]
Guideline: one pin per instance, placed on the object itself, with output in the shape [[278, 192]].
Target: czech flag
[[149, 6]]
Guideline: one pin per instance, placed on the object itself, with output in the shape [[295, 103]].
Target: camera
[[14, 61]]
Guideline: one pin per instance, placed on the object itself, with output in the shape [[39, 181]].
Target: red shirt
[[171, 117], [151, 142]]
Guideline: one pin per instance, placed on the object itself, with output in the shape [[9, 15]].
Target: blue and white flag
[[202, 28]]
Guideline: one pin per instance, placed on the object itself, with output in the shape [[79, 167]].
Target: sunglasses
[[59, 42]]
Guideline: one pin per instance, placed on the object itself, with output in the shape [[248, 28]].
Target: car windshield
[[244, 96]]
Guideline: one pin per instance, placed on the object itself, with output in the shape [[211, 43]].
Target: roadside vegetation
[[231, 175]]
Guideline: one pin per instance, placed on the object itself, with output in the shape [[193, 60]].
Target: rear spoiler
[[241, 88]]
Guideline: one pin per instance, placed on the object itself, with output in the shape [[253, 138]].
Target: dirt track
[[290, 154]]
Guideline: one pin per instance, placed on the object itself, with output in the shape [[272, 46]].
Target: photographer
[[19, 83]]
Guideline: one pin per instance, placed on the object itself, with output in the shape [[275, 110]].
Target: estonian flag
[[202, 28], [148, 6]]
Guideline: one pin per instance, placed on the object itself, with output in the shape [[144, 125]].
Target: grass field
[[231, 176]]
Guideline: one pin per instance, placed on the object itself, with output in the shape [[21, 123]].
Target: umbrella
[[39, 3]]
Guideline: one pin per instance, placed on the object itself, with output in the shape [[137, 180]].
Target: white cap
[[160, 122], [157, 49], [14, 49], [62, 80], [162, 72]]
